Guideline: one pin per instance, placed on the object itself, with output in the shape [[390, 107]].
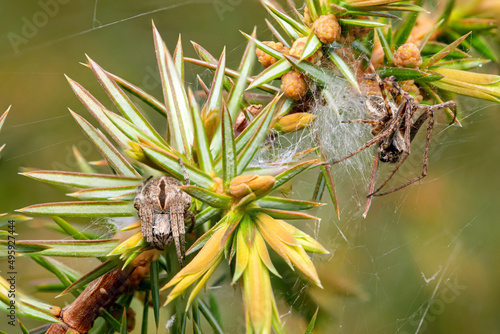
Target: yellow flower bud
[[309, 244], [136, 153], [243, 185], [294, 122], [128, 244], [201, 266], [257, 293], [210, 119], [286, 245], [56, 310]]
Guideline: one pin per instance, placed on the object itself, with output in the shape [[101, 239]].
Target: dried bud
[[146, 257], [327, 28], [294, 85], [294, 122], [298, 48], [407, 55], [254, 109], [360, 32], [243, 185], [242, 122], [346, 38], [130, 319], [267, 60]]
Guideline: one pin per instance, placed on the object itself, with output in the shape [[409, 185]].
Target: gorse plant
[[212, 140], [225, 191], [331, 40]]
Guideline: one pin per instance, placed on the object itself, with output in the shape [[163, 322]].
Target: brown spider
[[394, 131], [162, 207]]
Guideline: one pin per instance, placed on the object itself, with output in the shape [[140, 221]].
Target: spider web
[[337, 140]]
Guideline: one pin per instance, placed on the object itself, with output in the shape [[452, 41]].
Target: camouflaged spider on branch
[[162, 207], [394, 126]]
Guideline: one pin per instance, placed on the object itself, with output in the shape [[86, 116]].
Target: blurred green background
[[426, 259]]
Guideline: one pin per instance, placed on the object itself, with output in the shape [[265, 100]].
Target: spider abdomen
[[390, 156]]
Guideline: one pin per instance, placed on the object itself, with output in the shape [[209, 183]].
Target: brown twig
[[102, 293]]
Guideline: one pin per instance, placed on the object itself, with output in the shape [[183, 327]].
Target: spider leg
[[401, 91], [137, 201], [426, 157], [407, 141], [369, 143], [182, 233], [139, 188], [146, 215], [372, 183], [419, 122], [392, 127], [176, 223], [448, 104], [367, 121], [380, 84], [184, 171]]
